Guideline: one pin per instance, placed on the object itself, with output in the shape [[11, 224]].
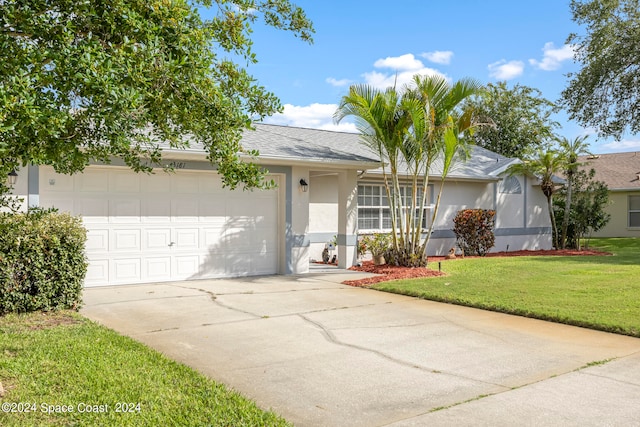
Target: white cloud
[[438, 56], [588, 131], [384, 80], [503, 70], [552, 57], [621, 146], [320, 116], [338, 83], [314, 116], [403, 62]]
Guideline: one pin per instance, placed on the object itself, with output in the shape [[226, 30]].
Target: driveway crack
[[329, 336], [215, 300]]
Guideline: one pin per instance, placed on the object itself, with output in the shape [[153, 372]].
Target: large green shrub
[[474, 230], [42, 262]]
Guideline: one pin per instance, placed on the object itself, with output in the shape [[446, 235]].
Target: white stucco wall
[[299, 221], [323, 204], [510, 208], [520, 218], [458, 195], [618, 226], [537, 210], [323, 213]]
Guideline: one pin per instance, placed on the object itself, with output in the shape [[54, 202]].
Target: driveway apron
[[324, 354]]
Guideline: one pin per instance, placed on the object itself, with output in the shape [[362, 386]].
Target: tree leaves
[[85, 81], [605, 93], [518, 120]]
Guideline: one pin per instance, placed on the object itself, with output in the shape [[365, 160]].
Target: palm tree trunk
[[567, 211], [552, 217]]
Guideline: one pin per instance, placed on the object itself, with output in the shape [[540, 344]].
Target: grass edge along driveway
[[63, 369], [597, 292]]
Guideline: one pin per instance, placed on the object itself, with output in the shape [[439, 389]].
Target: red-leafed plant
[[474, 230]]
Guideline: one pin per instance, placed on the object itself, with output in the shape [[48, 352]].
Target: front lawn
[[61, 369], [599, 292]]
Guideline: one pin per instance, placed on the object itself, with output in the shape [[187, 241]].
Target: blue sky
[[360, 41]]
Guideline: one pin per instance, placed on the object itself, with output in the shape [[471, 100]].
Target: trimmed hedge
[[474, 230], [42, 261]]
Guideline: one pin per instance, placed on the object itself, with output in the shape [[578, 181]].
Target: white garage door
[[162, 227]]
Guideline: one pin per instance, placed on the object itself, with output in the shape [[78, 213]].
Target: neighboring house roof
[[619, 171]]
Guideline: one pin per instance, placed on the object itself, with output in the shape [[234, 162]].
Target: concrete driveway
[[323, 354]]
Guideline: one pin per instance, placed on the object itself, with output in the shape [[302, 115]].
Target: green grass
[[598, 292], [65, 359]]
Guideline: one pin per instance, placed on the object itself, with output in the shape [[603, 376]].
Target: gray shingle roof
[[293, 142], [617, 170], [285, 143]]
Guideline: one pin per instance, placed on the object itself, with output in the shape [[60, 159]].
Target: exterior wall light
[[12, 178], [303, 185]]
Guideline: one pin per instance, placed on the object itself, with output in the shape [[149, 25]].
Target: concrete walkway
[[324, 354]]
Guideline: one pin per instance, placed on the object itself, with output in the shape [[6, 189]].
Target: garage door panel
[[185, 183], [213, 264], [124, 211], [97, 240], [92, 181], [125, 240], [210, 184], [242, 207], [126, 270], [156, 211], [186, 239], [238, 264], [156, 268], [263, 263], [212, 211], [263, 246], [97, 272], [158, 182], [162, 227], [238, 240], [124, 182], [92, 210], [187, 266], [184, 210], [156, 239], [65, 204], [212, 240]]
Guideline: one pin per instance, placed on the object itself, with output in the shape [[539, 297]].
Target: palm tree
[[571, 149], [383, 124], [437, 131], [544, 165], [411, 129]]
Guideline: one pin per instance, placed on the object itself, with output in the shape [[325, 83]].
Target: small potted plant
[[377, 244]]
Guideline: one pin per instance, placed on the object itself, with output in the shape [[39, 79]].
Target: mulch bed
[[392, 272]]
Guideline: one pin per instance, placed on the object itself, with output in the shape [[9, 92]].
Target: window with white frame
[[634, 211], [373, 206]]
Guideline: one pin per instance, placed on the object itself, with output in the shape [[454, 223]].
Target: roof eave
[[284, 160], [502, 169], [450, 177], [623, 189], [191, 154]]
